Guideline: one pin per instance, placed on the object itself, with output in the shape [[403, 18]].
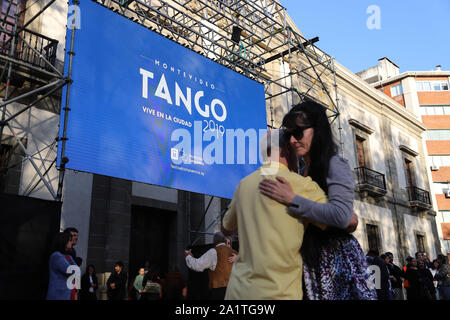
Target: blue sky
[[414, 34]]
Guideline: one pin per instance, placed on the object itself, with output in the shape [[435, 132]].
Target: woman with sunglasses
[[335, 267]]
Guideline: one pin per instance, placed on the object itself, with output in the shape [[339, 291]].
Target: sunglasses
[[297, 133]]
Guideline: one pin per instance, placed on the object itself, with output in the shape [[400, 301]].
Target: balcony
[[370, 181], [29, 59], [419, 198]]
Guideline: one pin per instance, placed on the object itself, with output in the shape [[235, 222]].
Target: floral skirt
[[342, 275]]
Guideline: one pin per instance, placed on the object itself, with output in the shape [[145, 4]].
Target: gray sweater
[[339, 209]]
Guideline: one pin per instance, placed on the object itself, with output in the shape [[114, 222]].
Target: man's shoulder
[[300, 182]]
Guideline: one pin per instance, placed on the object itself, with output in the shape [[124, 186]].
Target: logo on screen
[[174, 154]]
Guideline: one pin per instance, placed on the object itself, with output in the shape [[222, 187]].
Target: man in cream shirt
[[269, 264]]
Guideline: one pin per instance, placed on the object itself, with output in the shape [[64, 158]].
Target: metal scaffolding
[[28, 57], [253, 38]]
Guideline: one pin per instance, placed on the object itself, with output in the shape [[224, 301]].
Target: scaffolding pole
[[8, 78], [64, 159], [52, 81]]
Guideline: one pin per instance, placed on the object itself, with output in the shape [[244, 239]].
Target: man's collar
[[275, 165]]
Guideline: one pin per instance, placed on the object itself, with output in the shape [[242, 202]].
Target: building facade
[[135, 222], [425, 94]]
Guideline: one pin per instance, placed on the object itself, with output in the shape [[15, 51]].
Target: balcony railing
[[419, 197], [43, 47], [371, 181]]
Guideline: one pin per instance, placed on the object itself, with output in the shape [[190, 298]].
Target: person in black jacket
[[427, 281], [396, 277], [374, 259], [416, 289], [116, 283], [74, 233], [89, 284]]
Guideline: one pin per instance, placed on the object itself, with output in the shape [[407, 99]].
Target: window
[[435, 110], [5, 152], [372, 237], [443, 134], [432, 85], [409, 175], [440, 161], [4, 155], [396, 90], [360, 151], [420, 241], [9, 16]]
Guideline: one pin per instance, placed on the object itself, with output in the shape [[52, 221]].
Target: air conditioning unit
[[447, 194], [434, 168]]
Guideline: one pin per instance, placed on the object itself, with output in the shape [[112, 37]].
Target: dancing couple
[[295, 225]]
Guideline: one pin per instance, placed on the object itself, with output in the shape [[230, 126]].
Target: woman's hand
[[280, 190], [353, 224], [232, 259]]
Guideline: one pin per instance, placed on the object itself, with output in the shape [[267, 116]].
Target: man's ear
[[291, 157]]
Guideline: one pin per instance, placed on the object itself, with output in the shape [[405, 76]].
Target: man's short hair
[[373, 252], [71, 229], [119, 263], [219, 237], [268, 144]]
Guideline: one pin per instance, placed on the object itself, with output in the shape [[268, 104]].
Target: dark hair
[[71, 229], [119, 263], [219, 237], [383, 256], [78, 261], [373, 253], [323, 148], [443, 259], [389, 254], [60, 241], [432, 264], [93, 268]]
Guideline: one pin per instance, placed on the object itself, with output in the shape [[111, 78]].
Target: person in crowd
[[385, 259], [405, 268], [89, 284], [147, 266], [396, 277], [429, 292], [117, 282], [415, 289], [229, 242], [216, 261], [60, 268], [173, 285], [383, 292], [434, 270], [335, 248], [269, 262], [152, 286], [74, 233], [443, 276], [418, 256], [138, 284], [426, 259]]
